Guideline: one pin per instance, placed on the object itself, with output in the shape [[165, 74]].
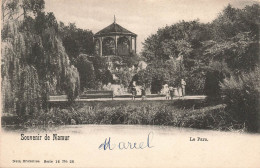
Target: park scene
[[190, 74]]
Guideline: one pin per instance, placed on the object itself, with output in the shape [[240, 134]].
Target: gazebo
[[115, 40]]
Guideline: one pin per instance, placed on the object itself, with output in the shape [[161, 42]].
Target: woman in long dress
[[171, 92], [167, 92], [143, 93], [133, 92]]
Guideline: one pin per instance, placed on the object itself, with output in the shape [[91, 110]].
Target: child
[[167, 92]]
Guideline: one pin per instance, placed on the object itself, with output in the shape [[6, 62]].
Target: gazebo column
[[135, 44], [130, 48], [115, 45], [100, 46]]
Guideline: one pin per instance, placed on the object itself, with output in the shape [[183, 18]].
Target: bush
[[145, 113], [242, 98], [212, 86]]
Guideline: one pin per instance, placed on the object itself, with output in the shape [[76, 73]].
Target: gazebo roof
[[114, 29]]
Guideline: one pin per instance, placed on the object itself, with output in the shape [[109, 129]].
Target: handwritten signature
[[108, 145]]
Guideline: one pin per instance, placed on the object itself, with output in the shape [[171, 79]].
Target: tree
[[125, 76], [86, 72], [28, 101], [107, 77], [76, 41], [131, 60], [157, 74], [231, 39], [9, 8], [239, 52], [35, 62], [34, 6]]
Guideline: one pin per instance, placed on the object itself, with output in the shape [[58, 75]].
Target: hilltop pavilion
[[115, 40]]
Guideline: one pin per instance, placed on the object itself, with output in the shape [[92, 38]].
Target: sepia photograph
[[130, 83]]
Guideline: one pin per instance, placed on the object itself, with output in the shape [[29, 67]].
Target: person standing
[[143, 92], [133, 92], [183, 84], [167, 92], [171, 90]]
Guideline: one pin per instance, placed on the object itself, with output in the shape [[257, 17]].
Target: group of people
[[169, 91], [134, 92]]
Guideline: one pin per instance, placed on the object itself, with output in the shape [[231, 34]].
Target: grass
[[182, 113]]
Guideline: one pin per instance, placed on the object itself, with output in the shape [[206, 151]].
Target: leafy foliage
[[145, 113], [34, 61], [125, 76], [76, 41], [232, 40], [242, 95], [86, 72]]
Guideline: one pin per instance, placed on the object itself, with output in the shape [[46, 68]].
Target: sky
[[142, 17]]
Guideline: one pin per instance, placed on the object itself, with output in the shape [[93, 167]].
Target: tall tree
[[76, 41]]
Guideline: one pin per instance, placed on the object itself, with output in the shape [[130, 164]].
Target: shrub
[[242, 98], [145, 113], [212, 86]]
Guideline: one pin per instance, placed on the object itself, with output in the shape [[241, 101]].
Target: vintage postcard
[[130, 83]]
